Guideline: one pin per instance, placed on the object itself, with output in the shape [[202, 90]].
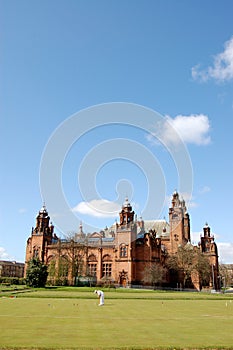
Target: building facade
[[119, 254], [11, 269]]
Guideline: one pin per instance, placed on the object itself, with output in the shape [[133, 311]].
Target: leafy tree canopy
[[36, 273], [188, 260]]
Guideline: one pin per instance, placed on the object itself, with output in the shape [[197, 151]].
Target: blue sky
[[61, 57]]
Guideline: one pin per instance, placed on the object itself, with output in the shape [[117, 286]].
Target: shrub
[[36, 273]]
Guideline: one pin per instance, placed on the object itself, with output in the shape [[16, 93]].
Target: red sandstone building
[[120, 253]]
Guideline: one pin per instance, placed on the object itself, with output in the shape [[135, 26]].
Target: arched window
[[92, 265], [107, 257], [92, 258], [35, 252], [63, 266], [107, 266]]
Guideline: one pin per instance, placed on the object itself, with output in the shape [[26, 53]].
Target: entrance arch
[[123, 278]]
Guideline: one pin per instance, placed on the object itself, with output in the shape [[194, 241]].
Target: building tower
[[126, 214], [209, 248], [179, 223], [41, 237], [125, 241]]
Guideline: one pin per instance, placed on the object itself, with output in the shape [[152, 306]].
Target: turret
[[41, 236], [209, 248], [42, 223], [126, 214], [207, 241]]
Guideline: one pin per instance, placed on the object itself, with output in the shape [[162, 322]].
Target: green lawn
[[71, 319]]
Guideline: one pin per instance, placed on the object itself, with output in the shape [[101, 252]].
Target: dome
[[126, 203], [43, 210]]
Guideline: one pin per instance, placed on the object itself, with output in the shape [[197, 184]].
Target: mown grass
[[69, 318], [110, 293]]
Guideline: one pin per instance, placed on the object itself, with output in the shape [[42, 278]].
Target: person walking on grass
[[100, 294]]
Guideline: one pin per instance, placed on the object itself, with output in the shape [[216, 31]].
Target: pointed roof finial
[[80, 227], [43, 209], [126, 202]]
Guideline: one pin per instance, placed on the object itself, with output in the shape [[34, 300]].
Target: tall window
[[63, 268], [92, 265], [106, 269], [92, 269], [35, 253], [123, 251]]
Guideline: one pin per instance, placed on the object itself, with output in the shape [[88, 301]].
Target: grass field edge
[[119, 348]]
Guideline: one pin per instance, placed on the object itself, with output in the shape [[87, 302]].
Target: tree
[[52, 272], [63, 270], [58, 273], [76, 254], [182, 262], [75, 251], [203, 268], [226, 275], [36, 273], [154, 274], [190, 263]]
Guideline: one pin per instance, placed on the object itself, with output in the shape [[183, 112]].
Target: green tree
[[62, 271], [36, 273], [52, 272]]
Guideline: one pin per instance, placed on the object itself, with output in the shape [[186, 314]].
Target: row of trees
[[71, 256], [188, 262]]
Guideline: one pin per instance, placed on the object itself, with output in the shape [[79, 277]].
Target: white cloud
[[222, 68], [193, 129], [225, 251], [98, 208], [189, 199], [195, 237], [3, 254], [204, 189], [192, 204]]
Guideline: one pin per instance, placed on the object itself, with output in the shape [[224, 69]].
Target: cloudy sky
[[169, 65]]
